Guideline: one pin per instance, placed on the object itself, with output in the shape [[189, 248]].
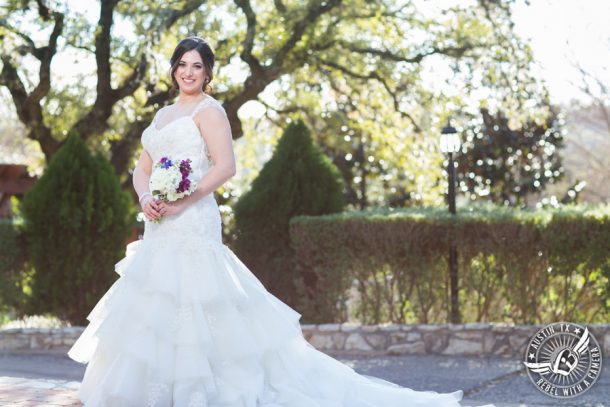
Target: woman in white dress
[[187, 324]]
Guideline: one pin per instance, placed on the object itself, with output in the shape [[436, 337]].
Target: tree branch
[[594, 159], [298, 30], [10, 79], [375, 76], [160, 98], [246, 54], [29, 113], [386, 13], [43, 10], [102, 49], [133, 81], [47, 54], [27, 106], [122, 149], [189, 7], [600, 100], [260, 78], [95, 121], [29, 47], [279, 6], [286, 110], [455, 52]]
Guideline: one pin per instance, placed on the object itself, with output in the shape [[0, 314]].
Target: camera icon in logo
[[563, 360]]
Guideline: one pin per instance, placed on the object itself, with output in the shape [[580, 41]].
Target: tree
[[298, 180], [592, 142], [312, 50], [505, 163], [587, 157], [76, 220]]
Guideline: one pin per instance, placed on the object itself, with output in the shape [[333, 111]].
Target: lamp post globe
[[450, 141], [450, 144]]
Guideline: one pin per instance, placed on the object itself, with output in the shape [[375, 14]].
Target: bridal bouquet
[[170, 180]]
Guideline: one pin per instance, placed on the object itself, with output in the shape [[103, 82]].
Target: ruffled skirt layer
[[189, 328]]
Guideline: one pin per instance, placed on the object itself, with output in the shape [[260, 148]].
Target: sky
[[564, 33]]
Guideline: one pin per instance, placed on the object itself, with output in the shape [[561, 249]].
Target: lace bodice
[[181, 139], [199, 224]]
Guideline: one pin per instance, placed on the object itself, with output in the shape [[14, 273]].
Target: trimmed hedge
[[514, 265], [12, 274]]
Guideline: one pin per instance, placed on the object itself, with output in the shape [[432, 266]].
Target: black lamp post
[[450, 144]]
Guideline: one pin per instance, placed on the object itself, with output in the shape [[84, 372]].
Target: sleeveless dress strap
[[208, 101]]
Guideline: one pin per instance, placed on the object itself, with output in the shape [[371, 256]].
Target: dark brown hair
[[204, 50]]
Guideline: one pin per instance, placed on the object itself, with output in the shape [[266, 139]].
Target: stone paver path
[[26, 392]]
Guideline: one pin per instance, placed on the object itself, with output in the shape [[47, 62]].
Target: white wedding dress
[[188, 325]]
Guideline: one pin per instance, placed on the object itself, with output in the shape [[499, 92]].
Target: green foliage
[[297, 180], [76, 221], [356, 68], [517, 266], [504, 164], [12, 258]]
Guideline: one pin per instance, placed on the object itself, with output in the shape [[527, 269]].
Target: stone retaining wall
[[443, 339], [38, 338]]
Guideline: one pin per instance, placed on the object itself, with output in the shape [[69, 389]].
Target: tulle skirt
[[187, 328]]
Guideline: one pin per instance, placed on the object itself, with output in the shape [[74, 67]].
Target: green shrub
[[514, 265], [298, 179], [12, 273], [76, 220]]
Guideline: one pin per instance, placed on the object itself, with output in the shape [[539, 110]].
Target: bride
[[187, 324]]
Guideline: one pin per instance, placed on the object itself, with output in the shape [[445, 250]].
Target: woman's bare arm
[[141, 176], [216, 131]]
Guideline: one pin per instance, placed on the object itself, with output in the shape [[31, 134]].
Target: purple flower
[[185, 168], [184, 185]]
